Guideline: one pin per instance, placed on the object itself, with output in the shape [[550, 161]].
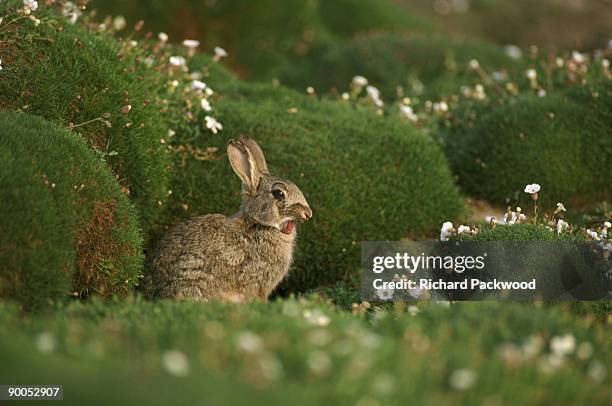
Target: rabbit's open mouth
[[287, 227]]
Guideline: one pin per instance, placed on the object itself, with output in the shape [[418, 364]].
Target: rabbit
[[238, 258]]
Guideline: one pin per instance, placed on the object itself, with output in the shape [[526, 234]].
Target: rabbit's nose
[[306, 213]]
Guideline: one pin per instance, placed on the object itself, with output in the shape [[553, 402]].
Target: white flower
[[359, 81], [213, 125], [177, 61], [607, 224], [71, 11], [208, 91], [446, 231], [407, 112], [198, 85], [510, 218], [220, 53], [578, 57], [593, 234], [191, 43], [513, 51], [463, 379], [474, 64], [205, 105], [521, 217], [316, 317], [163, 37], [605, 63], [532, 188], [374, 94], [249, 342], [562, 345], [561, 225], [463, 229], [119, 23], [531, 74], [30, 5], [46, 342], [175, 362], [559, 62], [0, 64], [385, 293], [541, 93], [560, 207], [440, 107], [413, 310]]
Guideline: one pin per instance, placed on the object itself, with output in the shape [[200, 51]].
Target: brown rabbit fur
[[237, 258]]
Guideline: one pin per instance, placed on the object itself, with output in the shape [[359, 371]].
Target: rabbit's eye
[[279, 194]]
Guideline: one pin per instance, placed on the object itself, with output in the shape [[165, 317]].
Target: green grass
[[66, 226], [365, 177], [307, 351], [561, 142], [263, 36], [70, 74], [428, 65]]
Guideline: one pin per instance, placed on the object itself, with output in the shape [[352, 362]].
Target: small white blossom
[[513, 51], [175, 362], [31, 5], [359, 81], [463, 229], [532, 188], [510, 218], [440, 107], [119, 23], [562, 345], [213, 125], [531, 74], [463, 379], [374, 94], [71, 11], [561, 225], [191, 43], [446, 231], [198, 85], [578, 57], [607, 224], [1, 64], [605, 63], [474, 64], [163, 37], [593, 235], [220, 53], [560, 207], [559, 62], [249, 342], [385, 293], [407, 112], [541, 93], [205, 105], [177, 61]]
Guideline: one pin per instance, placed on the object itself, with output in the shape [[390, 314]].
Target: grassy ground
[[309, 351]]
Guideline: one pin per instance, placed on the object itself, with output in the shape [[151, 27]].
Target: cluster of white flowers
[[30, 5], [448, 230], [178, 61], [561, 226], [408, 112], [374, 94], [514, 217], [213, 125]]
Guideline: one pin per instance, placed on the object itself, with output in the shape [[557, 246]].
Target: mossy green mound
[[264, 35], [562, 142], [365, 177], [70, 74], [66, 225], [420, 64]]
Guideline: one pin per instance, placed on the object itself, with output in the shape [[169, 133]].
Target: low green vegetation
[[78, 77], [67, 228], [557, 141], [266, 35], [420, 65], [307, 350]]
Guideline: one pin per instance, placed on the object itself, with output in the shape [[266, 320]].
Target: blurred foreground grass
[[309, 351]]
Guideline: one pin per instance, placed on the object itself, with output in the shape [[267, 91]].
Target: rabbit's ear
[[244, 164], [257, 153]]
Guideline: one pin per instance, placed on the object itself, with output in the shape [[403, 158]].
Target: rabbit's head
[[267, 200]]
